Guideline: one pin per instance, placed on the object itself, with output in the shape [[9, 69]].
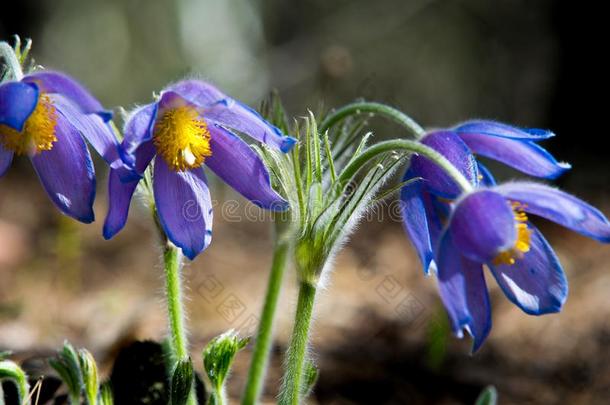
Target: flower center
[[38, 133], [182, 138], [523, 242]]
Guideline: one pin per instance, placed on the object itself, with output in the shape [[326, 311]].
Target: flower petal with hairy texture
[[483, 225], [493, 128], [6, 158], [184, 207], [59, 83], [121, 192], [417, 219], [464, 293], [92, 128], [230, 113], [455, 150], [17, 101], [524, 156], [66, 172], [139, 130], [198, 92], [119, 200], [559, 207], [241, 168], [536, 283]]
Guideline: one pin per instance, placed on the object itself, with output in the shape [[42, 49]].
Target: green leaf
[[489, 396], [181, 382]]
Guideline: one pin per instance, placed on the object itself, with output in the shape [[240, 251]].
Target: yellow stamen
[[38, 133], [182, 138], [523, 241]]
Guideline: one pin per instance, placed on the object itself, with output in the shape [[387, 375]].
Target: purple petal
[[139, 128], [464, 293], [536, 283], [242, 168], [66, 172], [485, 177], [198, 92], [239, 117], [17, 101], [418, 220], [455, 150], [524, 156], [59, 83], [483, 225], [6, 158], [184, 206], [560, 207], [91, 126], [119, 199], [120, 192], [228, 112], [493, 128]]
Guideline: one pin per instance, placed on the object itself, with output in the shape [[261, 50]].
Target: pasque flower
[[425, 203], [47, 116], [191, 125], [491, 226]]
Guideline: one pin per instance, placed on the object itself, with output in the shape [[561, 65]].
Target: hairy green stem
[[292, 384], [172, 259], [375, 108], [406, 145], [218, 396], [264, 337], [12, 62]]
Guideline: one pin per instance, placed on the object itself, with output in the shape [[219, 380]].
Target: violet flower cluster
[[49, 117], [456, 233]]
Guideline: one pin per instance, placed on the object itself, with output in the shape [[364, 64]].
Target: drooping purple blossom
[[192, 124], [490, 226], [48, 116], [425, 203]]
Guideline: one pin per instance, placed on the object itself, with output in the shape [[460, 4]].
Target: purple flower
[[491, 227], [191, 125], [45, 116], [425, 203]]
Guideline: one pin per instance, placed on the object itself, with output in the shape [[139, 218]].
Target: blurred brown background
[[380, 335]]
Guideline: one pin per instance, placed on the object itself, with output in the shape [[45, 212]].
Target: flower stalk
[[409, 146], [293, 384], [264, 336], [362, 107], [172, 259]]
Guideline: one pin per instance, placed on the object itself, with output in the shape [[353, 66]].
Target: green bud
[[217, 359], [489, 396], [67, 365], [106, 397], [9, 370], [182, 382], [89, 375], [310, 378]]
